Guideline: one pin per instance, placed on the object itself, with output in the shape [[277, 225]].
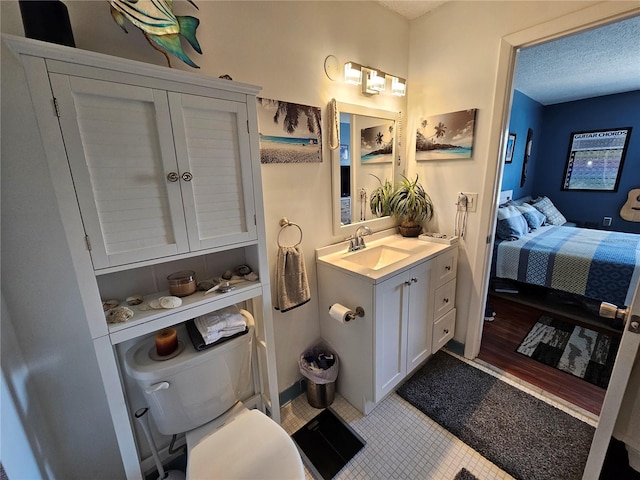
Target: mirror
[[368, 152]]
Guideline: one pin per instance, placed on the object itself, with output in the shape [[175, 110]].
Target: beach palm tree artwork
[[446, 136], [376, 143], [289, 132]]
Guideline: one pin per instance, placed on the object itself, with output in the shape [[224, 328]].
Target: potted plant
[[412, 206], [380, 198]]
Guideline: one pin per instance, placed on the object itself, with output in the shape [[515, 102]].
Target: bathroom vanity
[[407, 289]]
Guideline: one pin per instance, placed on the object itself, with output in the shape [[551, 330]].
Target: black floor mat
[[328, 443]]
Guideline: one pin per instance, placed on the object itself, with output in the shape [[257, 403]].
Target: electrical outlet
[[472, 201], [606, 222]]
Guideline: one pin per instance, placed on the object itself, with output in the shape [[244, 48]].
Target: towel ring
[[284, 223]]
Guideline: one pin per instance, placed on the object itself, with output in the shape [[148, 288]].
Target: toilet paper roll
[[339, 312]]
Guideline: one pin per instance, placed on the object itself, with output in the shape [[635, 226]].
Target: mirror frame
[[375, 224]]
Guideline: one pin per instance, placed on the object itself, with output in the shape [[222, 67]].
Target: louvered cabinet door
[[120, 149], [214, 159]]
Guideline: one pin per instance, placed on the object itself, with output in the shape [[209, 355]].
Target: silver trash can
[[320, 395]]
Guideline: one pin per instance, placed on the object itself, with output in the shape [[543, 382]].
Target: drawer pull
[[172, 176]]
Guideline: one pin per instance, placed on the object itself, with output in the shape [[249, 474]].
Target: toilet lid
[[249, 446]]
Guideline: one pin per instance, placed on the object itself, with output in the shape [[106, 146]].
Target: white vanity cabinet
[[154, 171], [403, 326], [406, 313], [157, 172]]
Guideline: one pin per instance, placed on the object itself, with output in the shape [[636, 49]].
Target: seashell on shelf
[[251, 276], [227, 275], [109, 304], [119, 315], [134, 300], [206, 285], [243, 270], [170, 302]]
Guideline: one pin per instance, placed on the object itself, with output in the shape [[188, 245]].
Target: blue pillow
[[531, 214], [511, 224], [549, 210]]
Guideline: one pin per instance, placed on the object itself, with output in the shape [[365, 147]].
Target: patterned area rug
[[579, 351]]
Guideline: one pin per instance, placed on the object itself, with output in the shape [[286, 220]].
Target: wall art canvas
[[447, 136], [289, 132], [595, 159], [376, 144]]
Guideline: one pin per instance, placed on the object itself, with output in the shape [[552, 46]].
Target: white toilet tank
[[194, 387]]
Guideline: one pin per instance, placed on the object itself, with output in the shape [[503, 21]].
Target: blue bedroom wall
[[525, 113], [559, 122]]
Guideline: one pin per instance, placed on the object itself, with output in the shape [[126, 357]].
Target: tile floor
[[402, 442]]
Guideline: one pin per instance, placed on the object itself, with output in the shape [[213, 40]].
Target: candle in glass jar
[[166, 341]]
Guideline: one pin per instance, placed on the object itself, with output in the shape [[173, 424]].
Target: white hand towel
[[226, 318]]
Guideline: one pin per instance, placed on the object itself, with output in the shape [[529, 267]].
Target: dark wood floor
[[499, 342]]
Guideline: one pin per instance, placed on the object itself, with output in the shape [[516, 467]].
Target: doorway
[[517, 312]]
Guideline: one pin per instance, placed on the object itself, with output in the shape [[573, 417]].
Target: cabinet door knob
[[414, 280], [407, 282], [446, 331], [172, 176], [447, 268], [445, 300], [186, 176]]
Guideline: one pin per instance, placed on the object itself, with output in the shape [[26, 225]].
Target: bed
[[597, 264]]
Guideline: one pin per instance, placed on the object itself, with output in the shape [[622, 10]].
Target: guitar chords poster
[[595, 159]]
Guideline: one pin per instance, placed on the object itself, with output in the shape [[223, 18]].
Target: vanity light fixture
[[373, 82], [353, 73], [398, 86]]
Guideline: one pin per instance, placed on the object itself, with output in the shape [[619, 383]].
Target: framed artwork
[[289, 132], [511, 145], [376, 144], [448, 136], [595, 159], [527, 154]]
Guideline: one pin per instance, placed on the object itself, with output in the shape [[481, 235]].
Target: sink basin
[[375, 258]]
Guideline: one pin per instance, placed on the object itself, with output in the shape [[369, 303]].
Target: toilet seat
[[248, 446]]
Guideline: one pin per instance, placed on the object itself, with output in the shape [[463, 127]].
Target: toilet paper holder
[[351, 315]]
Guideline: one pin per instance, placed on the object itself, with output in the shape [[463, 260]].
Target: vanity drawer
[[446, 266], [443, 330], [444, 299]]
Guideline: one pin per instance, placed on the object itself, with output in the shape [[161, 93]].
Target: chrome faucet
[[357, 242]]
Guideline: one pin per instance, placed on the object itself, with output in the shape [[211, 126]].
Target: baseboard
[[293, 391], [455, 347]]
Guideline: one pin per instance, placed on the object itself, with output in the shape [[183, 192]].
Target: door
[[627, 354], [214, 162], [391, 303], [420, 315], [120, 149]]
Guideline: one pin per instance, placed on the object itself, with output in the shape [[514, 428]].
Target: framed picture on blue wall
[[511, 145], [595, 159]]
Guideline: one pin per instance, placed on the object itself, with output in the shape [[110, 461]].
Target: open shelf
[[147, 321]]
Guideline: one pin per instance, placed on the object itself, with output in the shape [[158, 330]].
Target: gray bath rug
[[582, 352], [522, 435], [465, 474]]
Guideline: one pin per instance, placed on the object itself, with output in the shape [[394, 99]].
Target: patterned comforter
[[598, 264]]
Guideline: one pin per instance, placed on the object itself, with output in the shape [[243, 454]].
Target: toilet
[[198, 393]]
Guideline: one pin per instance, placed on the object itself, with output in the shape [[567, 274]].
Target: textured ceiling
[[602, 61], [411, 9], [597, 62]]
